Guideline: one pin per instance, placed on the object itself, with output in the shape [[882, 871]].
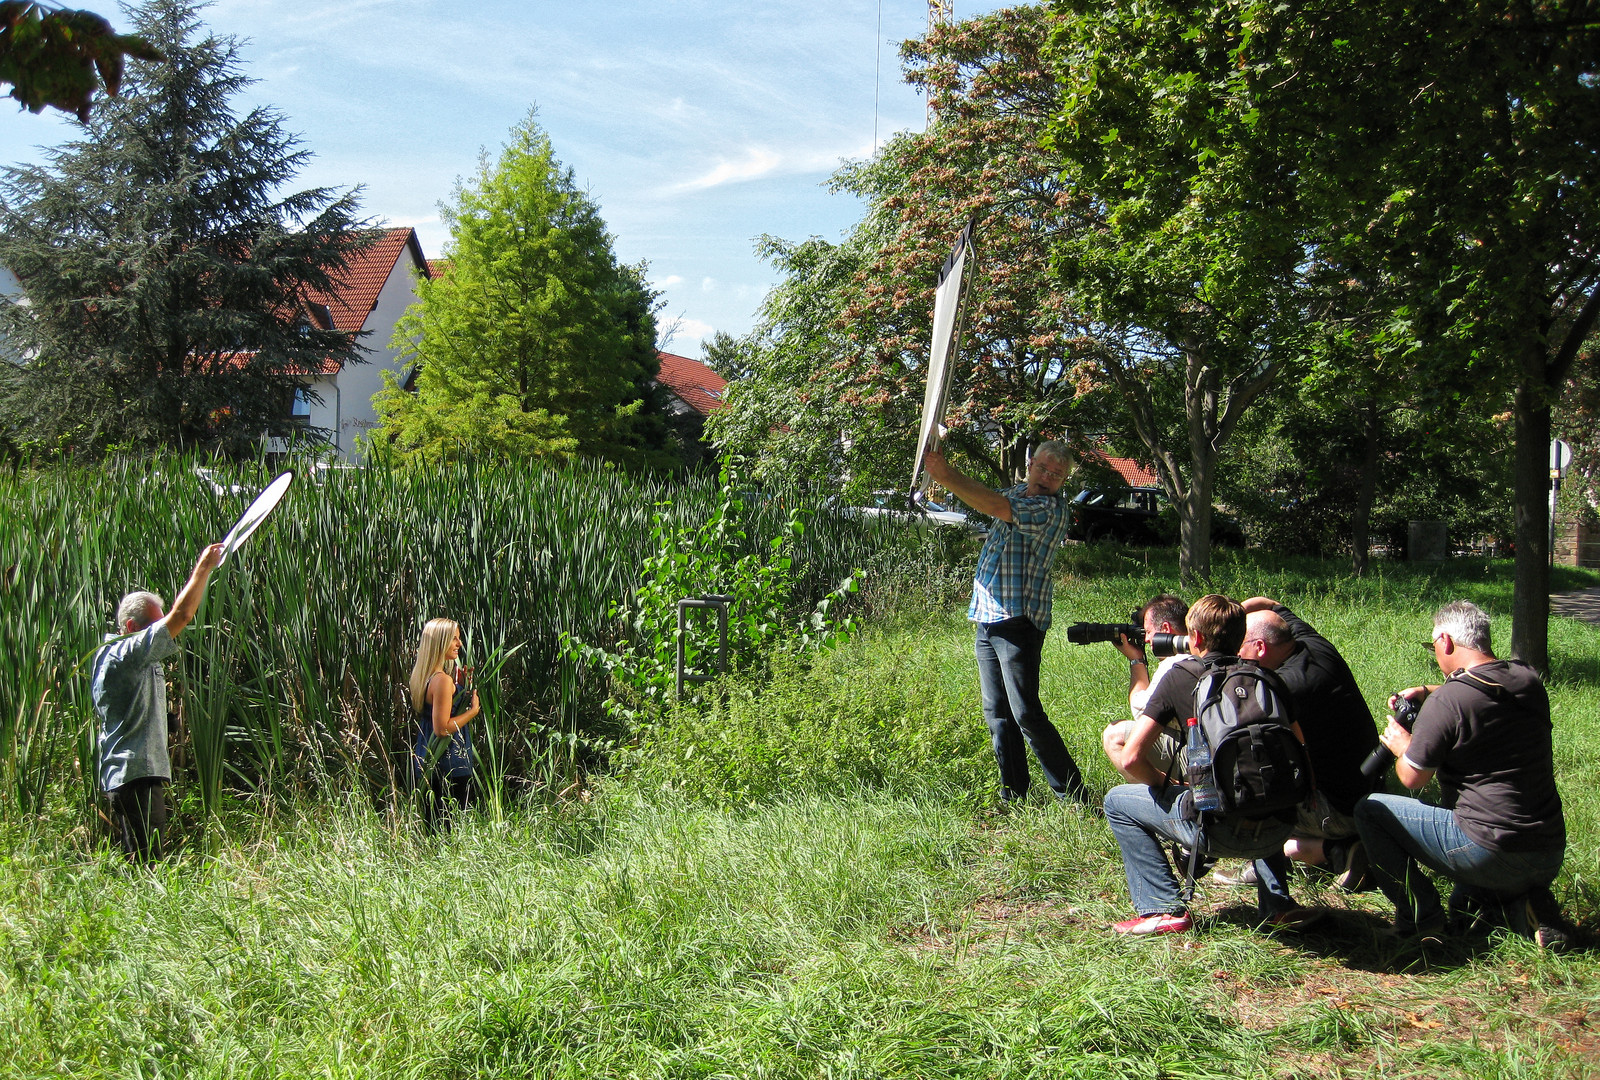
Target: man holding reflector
[[1011, 598], [130, 696]]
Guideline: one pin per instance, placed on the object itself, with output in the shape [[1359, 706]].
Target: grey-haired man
[[130, 697]]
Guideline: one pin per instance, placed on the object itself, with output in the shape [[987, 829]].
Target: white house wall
[[356, 384]]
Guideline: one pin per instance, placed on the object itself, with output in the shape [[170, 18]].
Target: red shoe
[[1162, 922]]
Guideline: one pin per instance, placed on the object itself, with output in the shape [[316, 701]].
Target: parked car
[[1137, 515], [897, 506]]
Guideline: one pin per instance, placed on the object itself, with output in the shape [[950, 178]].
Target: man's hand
[[188, 601], [1129, 649], [1395, 738], [1259, 603], [937, 467]]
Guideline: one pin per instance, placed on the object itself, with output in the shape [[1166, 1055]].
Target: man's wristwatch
[[1135, 663]]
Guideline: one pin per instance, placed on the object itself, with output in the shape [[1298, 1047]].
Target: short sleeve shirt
[[1487, 733], [1140, 699], [130, 695], [1013, 577], [1171, 701]]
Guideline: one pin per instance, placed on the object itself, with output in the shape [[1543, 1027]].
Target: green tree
[[1201, 266], [839, 359], [535, 342], [1451, 149], [164, 277]]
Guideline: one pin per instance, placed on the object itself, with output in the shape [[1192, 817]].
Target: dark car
[[1137, 515]]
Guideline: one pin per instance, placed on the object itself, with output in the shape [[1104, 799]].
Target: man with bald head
[[1338, 727]]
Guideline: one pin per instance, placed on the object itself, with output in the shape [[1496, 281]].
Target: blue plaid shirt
[[1013, 575]]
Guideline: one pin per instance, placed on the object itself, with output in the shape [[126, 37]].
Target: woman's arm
[[441, 688]]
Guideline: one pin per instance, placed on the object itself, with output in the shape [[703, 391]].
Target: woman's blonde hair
[[436, 639]]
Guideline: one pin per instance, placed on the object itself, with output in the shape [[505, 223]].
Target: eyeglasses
[[1054, 474]]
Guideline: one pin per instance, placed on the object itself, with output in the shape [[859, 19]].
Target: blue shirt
[[130, 696], [1013, 575]]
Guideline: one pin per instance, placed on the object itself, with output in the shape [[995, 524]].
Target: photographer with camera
[[1499, 833], [1164, 626], [1012, 595], [1339, 732], [1154, 810]]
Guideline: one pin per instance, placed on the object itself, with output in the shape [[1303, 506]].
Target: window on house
[[300, 406]]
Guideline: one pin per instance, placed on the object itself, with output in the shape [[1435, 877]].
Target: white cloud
[[756, 163], [669, 281], [708, 284]]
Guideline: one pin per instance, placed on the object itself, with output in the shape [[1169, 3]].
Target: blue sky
[[697, 125]]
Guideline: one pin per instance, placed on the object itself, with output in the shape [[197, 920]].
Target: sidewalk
[[1583, 604]]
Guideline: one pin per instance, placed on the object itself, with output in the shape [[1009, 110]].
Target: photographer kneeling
[[1499, 832], [1150, 812], [1163, 615]]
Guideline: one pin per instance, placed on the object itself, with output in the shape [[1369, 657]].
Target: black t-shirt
[[1333, 716], [1172, 702], [1487, 733]]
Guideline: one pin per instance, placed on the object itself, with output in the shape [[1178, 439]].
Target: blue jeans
[[1009, 655], [1403, 835], [1142, 818]]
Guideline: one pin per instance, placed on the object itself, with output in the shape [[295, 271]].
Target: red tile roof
[[1133, 474], [365, 275], [698, 386], [437, 267]]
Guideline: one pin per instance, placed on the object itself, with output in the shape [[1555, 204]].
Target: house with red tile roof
[[378, 284], [693, 392], [1128, 470], [694, 386]]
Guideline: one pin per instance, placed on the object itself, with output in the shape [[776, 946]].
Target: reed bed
[[293, 676]]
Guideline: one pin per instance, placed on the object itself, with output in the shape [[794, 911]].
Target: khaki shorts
[[1165, 754], [1317, 819]]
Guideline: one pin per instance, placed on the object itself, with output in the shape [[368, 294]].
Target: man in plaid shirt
[[1011, 597]]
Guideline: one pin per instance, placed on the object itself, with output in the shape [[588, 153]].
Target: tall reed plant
[[293, 675]]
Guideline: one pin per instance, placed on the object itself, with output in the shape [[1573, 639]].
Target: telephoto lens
[[1087, 633], [1378, 762]]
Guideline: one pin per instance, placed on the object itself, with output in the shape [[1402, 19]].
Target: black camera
[[1087, 633], [1378, 762]]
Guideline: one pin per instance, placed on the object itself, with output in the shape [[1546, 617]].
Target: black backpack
[[1261, 769]]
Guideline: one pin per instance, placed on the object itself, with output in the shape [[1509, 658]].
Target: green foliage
[[716, 557], [835, 371], [60, 57], [164, 273], [534, 342], [292, 677]]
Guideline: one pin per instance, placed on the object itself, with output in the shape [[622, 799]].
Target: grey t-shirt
[[130, 696]]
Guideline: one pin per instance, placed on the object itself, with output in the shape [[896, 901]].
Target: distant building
[[694, 392], [378, 285]]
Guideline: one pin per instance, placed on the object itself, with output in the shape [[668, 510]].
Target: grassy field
[[810, 879]]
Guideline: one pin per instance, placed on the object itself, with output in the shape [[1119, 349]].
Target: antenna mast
[[939, 12]]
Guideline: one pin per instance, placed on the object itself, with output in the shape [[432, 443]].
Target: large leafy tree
[[535, 341], [1452, 150], [60, 56], [165, 276], [838, 364], [1203, 265]]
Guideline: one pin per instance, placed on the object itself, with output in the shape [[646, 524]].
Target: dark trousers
[[139, 808], [442, 798], [1009, 655]]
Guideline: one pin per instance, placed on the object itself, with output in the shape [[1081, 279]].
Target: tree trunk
[[1530, 598], [1194, 557], [1366, 485]]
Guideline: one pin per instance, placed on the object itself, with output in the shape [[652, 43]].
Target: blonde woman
[[445, 703]]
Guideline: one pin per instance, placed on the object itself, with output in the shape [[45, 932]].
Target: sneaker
[[1245, 876], [1347, 860], [1162, 922], [1295, 918], [1544, 922]]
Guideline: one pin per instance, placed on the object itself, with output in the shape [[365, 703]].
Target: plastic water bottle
[[1198, 771]]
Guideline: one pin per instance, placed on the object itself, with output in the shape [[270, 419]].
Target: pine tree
[[535, 342], [165, 279]]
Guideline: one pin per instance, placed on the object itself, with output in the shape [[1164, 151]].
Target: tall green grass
[[293, 675]]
